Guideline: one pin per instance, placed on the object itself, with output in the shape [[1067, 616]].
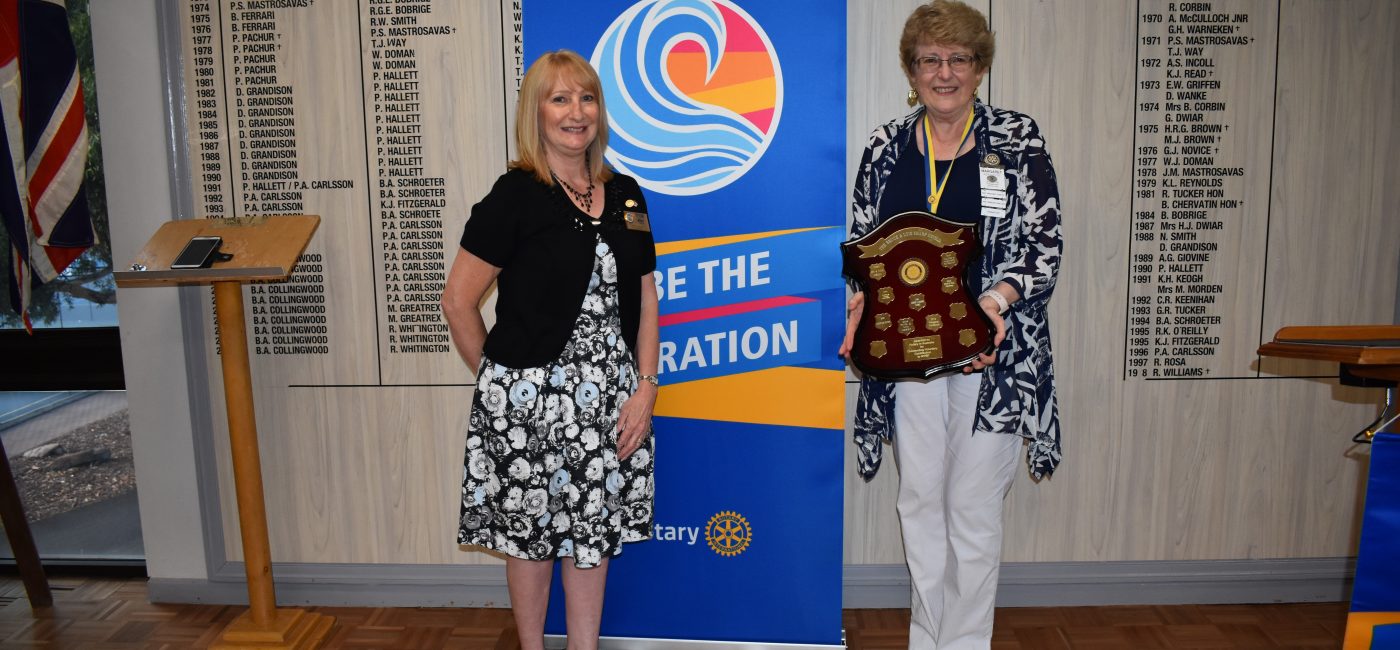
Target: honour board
[[387, 119]]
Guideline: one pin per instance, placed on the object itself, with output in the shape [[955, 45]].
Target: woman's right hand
[[853, 311]]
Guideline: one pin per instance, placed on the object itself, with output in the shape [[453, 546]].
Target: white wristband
[[1000, 300]]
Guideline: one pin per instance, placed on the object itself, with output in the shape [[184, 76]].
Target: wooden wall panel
[[362, 448], [1085, 113], [1334, 169]]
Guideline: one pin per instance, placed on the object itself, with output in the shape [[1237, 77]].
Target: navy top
[[962, 196]]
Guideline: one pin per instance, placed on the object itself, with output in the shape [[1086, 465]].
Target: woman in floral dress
[[559, 452]]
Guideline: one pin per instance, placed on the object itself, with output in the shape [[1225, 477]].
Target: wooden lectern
[[1371, 351], [1369, 356], [263, 248]]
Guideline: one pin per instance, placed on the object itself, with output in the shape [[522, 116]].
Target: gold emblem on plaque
[[950, 284], [877, 349], [882, 322], [949, 259], [957, 310], [934, 322], [913, 272], [923, 348], [885, 295], [967, 337], [991, 160], [877, 271], [906, 326], [917, 302]]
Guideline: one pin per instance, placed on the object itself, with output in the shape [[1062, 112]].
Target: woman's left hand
[[993, 311], [634, 422]]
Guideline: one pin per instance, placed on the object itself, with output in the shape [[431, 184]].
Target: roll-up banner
[[1374, 620], [731, 116]]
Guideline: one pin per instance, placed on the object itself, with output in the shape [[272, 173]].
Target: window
[[63, 417]]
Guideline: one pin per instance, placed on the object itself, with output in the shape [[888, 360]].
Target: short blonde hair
[[947, 22], [534, 88]]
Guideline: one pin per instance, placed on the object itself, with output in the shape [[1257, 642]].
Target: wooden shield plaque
[[920, 316]]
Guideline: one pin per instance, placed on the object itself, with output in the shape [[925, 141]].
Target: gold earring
[[913, 97], [974, 92]]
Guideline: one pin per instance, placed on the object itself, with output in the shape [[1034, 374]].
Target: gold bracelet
[[651, 379]]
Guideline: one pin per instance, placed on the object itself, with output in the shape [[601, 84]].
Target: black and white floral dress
[[542, 477]]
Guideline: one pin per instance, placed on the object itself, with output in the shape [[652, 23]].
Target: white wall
[[135, 146]]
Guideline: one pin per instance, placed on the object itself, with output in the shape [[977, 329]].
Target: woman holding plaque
[[956, 436], [559, 452]]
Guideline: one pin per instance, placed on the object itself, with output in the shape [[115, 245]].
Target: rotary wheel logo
[[728, 533]]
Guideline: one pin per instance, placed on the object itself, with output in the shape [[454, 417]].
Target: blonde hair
[[947, 22], [534, 88]]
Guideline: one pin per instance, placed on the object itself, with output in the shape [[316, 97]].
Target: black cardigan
[[545, 250]]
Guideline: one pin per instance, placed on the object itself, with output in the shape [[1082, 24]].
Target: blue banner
[[731, 116], [739, 553], [754, 269], [1377, 586], [784, 335]]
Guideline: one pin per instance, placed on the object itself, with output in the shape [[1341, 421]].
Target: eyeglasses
[[958, 63]]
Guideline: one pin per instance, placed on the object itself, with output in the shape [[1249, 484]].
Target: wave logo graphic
[[694, 93]]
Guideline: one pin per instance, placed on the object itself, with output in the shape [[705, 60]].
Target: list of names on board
[[410, 201], [353, 111], [1202, 149]]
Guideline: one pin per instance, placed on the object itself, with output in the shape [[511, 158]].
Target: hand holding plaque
[[920, 318]]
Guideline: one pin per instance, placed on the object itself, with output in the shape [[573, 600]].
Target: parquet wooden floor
[[112, 614], [1303, 625]]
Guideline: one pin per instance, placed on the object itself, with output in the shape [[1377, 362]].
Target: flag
[[45, 151]]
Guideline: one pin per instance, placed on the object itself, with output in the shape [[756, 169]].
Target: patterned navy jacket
[[1022, 247]]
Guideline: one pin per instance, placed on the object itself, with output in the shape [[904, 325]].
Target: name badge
[[992, 181], [993, 178], [636, 221]]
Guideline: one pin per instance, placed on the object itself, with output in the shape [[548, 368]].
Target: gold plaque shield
[[967, 337], [901, 331]]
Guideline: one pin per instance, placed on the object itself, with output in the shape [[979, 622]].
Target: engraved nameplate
[[923, 348]]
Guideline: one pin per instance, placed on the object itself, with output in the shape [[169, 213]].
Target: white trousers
[[952, 486]]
